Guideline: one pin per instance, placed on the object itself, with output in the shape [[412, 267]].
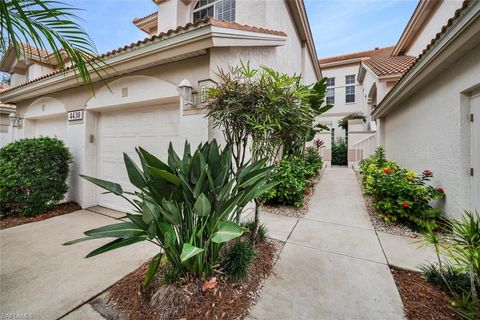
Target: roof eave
[[299, 15], [195, 40], [413, 75], [415, 23]]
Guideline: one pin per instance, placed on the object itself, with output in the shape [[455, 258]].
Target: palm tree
[[48, 25]]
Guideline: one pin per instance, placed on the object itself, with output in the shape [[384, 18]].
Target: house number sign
[[75, 115]]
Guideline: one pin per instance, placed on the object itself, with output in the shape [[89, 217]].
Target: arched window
[[218, 9]]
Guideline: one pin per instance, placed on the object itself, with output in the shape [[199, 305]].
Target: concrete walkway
[[43, 279], [332, 265]]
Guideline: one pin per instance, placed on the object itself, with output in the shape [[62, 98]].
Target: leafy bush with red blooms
[[400, 194]]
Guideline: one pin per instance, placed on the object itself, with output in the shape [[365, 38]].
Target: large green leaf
[[189, 251], [167, 176], [152, 269], [113, 187], [202, 206], [227, 231], [117, 230], [254, 176], [115, 244], [134, 174], [152, 161]]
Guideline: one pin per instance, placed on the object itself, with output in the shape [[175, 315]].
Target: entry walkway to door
[[332, 265]]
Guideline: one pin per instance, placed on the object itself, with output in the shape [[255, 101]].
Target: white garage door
[[121, 131], [52, 127]]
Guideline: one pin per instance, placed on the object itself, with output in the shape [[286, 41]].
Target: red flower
[[427, 172], [306, 192], [441, 190], [277, 162], [406, 204], [387, 171], [389, 216]]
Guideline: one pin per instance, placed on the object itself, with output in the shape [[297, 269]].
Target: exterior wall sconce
[[15, 119], [186, 92]]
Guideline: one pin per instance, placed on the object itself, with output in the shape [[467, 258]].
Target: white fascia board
[[65, 80], [225, 37], [405, 84], [184, 42]]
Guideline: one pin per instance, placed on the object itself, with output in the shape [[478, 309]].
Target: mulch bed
[[186, 300], [421, 299], [62, 208]]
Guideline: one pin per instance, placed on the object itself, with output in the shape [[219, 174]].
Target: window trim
[[351, 94], [213, 4], [351, 83], [332, 96]]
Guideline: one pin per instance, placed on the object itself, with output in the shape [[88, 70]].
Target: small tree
[[273, 111]]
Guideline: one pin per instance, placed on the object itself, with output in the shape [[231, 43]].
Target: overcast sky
[[338, 26]]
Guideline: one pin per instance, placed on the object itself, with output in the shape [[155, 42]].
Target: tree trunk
[[256, 222]]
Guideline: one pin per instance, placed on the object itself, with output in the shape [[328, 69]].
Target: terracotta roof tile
[[137, 20], [439, 35], [358, 55], [386, 65], [7, 106], [161, 36]]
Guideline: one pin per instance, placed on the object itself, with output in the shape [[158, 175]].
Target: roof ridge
[[346, 55]]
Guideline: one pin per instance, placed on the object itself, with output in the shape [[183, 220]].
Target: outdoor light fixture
[[15, 119], [186, 92]]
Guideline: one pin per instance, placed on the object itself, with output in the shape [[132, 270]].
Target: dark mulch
[[421, 299], [186, 300], [62, 208]]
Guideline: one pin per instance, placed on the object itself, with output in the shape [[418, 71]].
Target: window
[[331, 95], [350, 88], [330, 91], [349, 94], [218, 9], [350, 79]]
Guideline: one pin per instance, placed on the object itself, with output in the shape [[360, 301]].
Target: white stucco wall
[[444, 11], [341, 108], [36, 70], [431, 130], [77, 139]]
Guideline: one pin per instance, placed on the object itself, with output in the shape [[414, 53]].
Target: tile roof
[[386, 65], [137, 20], [358, 55], [429, 46], [7, 106], [161, 36]]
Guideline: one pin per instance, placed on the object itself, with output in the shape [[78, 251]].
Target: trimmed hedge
[[339, 152], [34, 173]]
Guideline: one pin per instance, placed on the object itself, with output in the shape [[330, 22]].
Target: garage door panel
[[152, 128], [51, 127]]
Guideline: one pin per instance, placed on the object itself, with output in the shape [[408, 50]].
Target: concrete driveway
[[43, 279]]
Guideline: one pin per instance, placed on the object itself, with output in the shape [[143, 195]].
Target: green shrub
[[238, 259], [294, 177], [291, 176], [261, 232], [458, 280], [339, 152], [187, 206], [313, 162], [400, 194], [33, 175]]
